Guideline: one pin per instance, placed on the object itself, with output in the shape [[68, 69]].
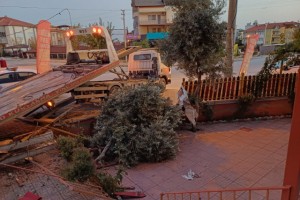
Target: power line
[[54, 8], [59, 13]]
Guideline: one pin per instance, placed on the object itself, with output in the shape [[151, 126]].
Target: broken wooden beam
[[32, 141], [32, 152]]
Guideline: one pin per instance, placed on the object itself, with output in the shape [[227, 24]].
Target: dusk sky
[[89, 11]]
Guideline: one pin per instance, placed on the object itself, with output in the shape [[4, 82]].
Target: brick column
[[292, 167]]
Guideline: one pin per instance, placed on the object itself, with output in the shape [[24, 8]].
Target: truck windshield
[[142, 57]]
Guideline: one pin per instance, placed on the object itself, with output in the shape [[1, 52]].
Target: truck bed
[[25, 96]]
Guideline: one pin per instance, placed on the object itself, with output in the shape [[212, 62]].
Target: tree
[[296, 42], [137, 125], [144, 43], [196, 38], [93, 41]]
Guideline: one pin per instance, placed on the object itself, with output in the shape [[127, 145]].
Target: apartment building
[[274, 33], [151, 18]]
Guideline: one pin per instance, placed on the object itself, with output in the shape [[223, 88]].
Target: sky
[[89, 11]]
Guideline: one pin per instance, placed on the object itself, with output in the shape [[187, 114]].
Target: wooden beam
[[29, 153], [35, 140]]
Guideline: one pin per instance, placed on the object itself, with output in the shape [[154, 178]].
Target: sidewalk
[[224, 155]]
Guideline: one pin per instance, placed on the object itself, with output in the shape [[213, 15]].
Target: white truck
[[143, 66]]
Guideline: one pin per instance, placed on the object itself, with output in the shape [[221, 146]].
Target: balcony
[[152, 22]]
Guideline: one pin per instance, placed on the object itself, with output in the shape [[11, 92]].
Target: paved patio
[[224, 155]]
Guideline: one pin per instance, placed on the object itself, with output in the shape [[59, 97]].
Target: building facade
[[15, 35], [151, 16], [18, 37], [273, 33]]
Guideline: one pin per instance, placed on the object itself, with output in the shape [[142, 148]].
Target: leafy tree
[[296, 42], [144, 43], [137, 125], [196, 38], [93, 41]]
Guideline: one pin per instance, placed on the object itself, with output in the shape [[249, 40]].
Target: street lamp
[[69, 15]]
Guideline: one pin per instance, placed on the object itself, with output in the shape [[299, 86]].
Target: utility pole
[[232, 10], [124, 28]]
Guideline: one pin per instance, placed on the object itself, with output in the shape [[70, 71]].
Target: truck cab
[[147, 63]]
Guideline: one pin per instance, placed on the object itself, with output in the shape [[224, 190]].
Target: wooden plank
[[201, 86], [214, 86], [283, 87], [218, 88], [188, 86], [93, 88], [82, 117], [28, 153], [193, 88], [41, 95], [32, 141], [235, 81], [230, 88], [245, 89], [205, 88], [288, 84], [64, 132], [209, 89], [226, 87], [5, 142], [86, 96], [254, 84], [222, 88]]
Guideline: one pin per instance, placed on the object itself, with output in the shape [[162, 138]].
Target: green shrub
[[81, 167], [110, 184], [207, 110], [66, 146], [244, 103], [137, 125]]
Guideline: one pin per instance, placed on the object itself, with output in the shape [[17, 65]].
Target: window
[[142, 57], [25, 75], [6, 78], [2, 34], [151, 17], [153, 30]]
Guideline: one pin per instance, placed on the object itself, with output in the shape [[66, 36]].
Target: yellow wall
[[145, 25]]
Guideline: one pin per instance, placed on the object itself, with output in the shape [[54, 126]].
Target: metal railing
[[266, 193], [153, 22]]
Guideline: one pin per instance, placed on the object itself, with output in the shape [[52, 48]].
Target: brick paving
[[48, 187], [224, 155]]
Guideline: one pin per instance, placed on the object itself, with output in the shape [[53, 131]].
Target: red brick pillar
[[292, 167]]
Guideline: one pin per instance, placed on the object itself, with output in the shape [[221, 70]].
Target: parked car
[[9, 76]]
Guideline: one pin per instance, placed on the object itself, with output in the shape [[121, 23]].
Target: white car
[[10, 76]]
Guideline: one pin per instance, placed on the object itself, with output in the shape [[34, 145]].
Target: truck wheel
[[163, 83], [114, 89]]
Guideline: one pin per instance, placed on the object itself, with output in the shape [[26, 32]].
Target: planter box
[[223, 110]]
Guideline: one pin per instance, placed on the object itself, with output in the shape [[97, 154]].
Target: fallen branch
[[102, 154]]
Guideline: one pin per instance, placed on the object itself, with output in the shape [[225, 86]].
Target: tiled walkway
[[224, 155]]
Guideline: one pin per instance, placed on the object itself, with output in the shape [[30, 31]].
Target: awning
[[156, 36]]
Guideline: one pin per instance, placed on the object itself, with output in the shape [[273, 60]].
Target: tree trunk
[[102, 154], [197, 90]]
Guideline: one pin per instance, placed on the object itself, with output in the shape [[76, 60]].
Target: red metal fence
[[266, 193]]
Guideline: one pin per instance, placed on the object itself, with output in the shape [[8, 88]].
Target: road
[[177, 75], [255, 65]]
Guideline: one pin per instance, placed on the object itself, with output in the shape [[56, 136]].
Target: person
[[105, 59]]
